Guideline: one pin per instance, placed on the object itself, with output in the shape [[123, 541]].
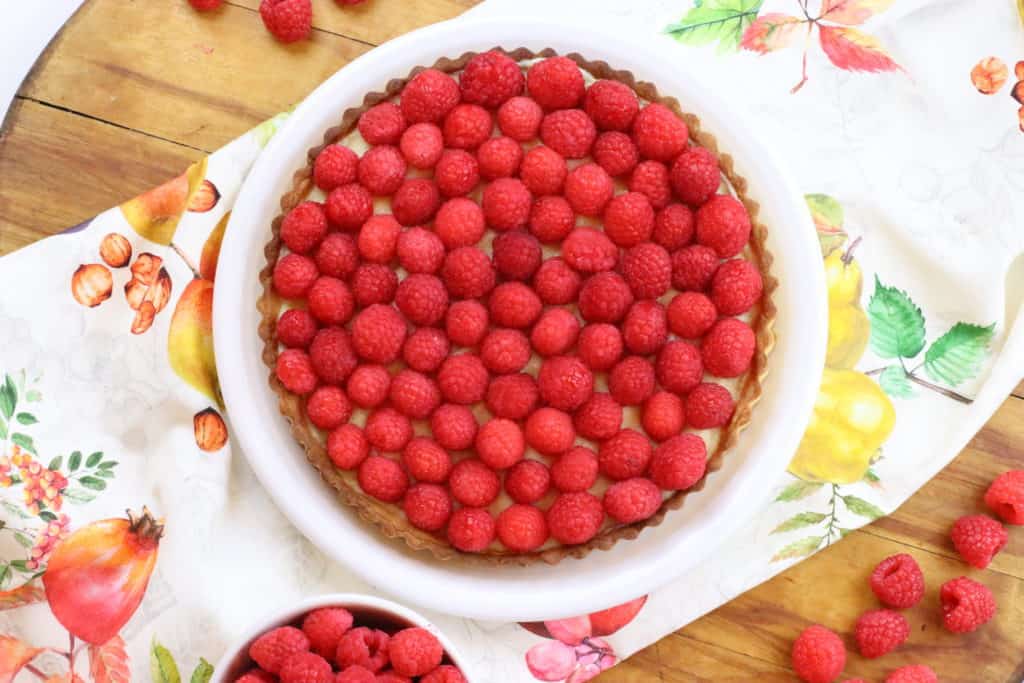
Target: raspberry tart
[[517, 307]]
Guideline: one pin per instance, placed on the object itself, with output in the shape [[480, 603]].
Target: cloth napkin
[[108, 399]]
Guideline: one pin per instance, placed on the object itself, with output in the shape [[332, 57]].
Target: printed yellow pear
[[190, 340], [155, 214], [211, 249], [848, 326], [843, 277]]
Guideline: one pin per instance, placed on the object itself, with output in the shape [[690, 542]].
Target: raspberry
[[679, 367], [708, 406], [522, 528], [382, 124], [728, 348], [306, 667], [414, 395], [420, 250], [589, 188], [330, 301], [632, 500], [599, 418], [205, 5], [466, 322], [695, 176], [296, 328], [880, 631], [647, 268], [355, 674], [473, 483], [527, 481], [663, 416], [467, 126], [303, 227], [287, 20], [446, 673], [490, 79], [425, 349], [463, 379], [612, 105], [604, 297], [426, 461], [273, 648], [735, 287], [673, 226], [651, 178], [382, 477], [414, 652], [645, 330], [569, 132], [625, 455], [629, 219], [616, 153], [897, 581], [556, 283], [724, 225], [519, 118], [565, 382], [378, 238], [555, 83], [575, 518], [427, 506], [966, 605], [373, 283], [504, 351], [335, 166], [513, 304], [575, 470], [555, 332], [471, 530], [550, 431], [691, 315], [337, 255], [429, 96], [453, 427], [506, 203], [589, 251], [363, 647], [391, 677], [349, 206], [693, 267], [459, 223], [294, 274], [468, 274], [456, 173], [378, 332], [543, 171], [332, 355], [347, 447], [679, 463], [516, 254], [978, 538], [551, 219], [416, 201], [818, 655], [422, 145], [423, 299], [631, 381], [512, 396], [917, 673], [381, 170], [328, 407], [256, 675], [499, 158], [388, 429], [600, 345], [1005, 496], [659, 134], [500, 443]]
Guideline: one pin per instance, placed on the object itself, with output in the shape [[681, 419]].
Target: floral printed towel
[[109, 396]]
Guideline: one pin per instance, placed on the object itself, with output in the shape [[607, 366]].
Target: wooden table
[[132, 91]]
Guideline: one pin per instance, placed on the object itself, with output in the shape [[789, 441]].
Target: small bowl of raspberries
[[342, 638]]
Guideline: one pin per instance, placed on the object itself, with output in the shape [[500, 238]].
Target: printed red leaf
[[853, 12], [853, 50], [26, 594], [108, 663], [14, 655], [770, 32]]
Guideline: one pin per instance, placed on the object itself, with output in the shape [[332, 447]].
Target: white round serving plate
[[730, 497]]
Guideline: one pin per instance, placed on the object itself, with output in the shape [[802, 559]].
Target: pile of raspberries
[[287, 20], [615, 301]]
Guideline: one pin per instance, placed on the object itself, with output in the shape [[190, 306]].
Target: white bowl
[[630, 569]]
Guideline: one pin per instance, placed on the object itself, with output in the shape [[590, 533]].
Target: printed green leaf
[[94, 459], [93, 483], [25, 441], [843, 533], [47, 516], [802, 548], [828, 220], [20, 566], [804, 519], [871, 477], [266, 130], [14, 509], [26, 418], [202, 673], [897, 325], [108, 465], [33, 396], [56, 463], [23, 540], [75, 461], [79, 495], [106, 474], [894, 382], [5, 574], [723, 21], [957, 355], [859, 506], [798, 490], [3, 429], [162, 668], [8, 397]]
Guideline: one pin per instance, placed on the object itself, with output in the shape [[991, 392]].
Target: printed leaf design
[[894, 382], [108, 663], [853, 50], [801, 548], [804, 519], [14, 655], [94, 459], [25, 594], [203, 672], [770, 32], [8, 398], [798, 490], [724, 21], [26, 419], [75, 461], [79, 495], [853, 12], [957, 355], [897, 325], [266, 130], [859, 506], [162, 668], [828, 221], [25, 442]]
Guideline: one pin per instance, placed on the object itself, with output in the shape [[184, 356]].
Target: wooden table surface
[[133, 90]]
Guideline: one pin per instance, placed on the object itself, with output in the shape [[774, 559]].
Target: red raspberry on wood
[[679, 367], [335, 166], [632, 500], [966, 605], [382, 124], [330, 301], [293, 275], [673, 226], [543, 171], [818, 655], [426, 460], [422, 298], [556, 283], [374, 283], [378, 238], [427, 506], [663, 416], [612, 105], [651, 179], [691, 315], [519, 118], [422, 145], [522, 528], [419, 250], [599, 418], [296, 328], [645, 329], [287, 20], [517, 255], [659, 133], [473, 483], [880, 631], [328, 407], [695, 176], [728, 348], [205, 5], [551, 219], [378, 333], [917, 673], [468, 274], [414, 394], [471, 530], [724, 225], [505, 350], [679, 463], [415, 652], [550, 431], [429, 96], [425, 349], [527, 481], [629, 219], [616, 153], [565, 382], [383, 479], [332, 355], [512, 396], [555, 83], [631, 381], [575, 518], [273, 648], [978, 539], [600, 345], [513, 304], [555, 332], [575, 470], [589, 188], [463, 379], [466, 323], [499, 158], [625, 455], [605, 298], [467, 126], [337, 255], [456, 173], [708, 406], [347, 447], [570, 132], [898, 582], [453, 426], [416, 201], [349, 206], [303, 227], [490, 79], [1005, 496], [381, 170], [506, 203]]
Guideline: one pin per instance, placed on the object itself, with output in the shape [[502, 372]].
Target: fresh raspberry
[[917, 673], [420, 250], [966, 605], [205, 5], [459, 223], [898, 582], [335, 166], [466, 322], [468, 274], [381, 170], [632, 500], [294, 274], [423, 299], [978, 539], [659, 134], [330, 301], [272, 649], [373, 283], [391, 677], [818, 655], [645, 329], [463, 379], [364, 647], [368, 385], [555, 83], [473, 483], [388, 429], [735, 287], [629, 219], [599, 418], [414, 395], [303, 227], [631, 381], [499, 158], [505, 350], [332, 355], [355, 674], [604, 297], [422, 145], [378, 238], [555, 332], [551, 219], [695, 176], [426, 461], [575, 518], [565, 382], [414, 652], [306, 667], [663, 416], [625, 455], [589, 188], [378, 333], [590, 251], [446, 673], [471, 530], [519, 118], [600, 345], [382, 124], [347, 447], [429, 96], [693, 268], [575, 470], [691, 315], [556, 283], [500, 443], [256, 675], [527, 481], [490, 79], [453, 427], [616, 153], [287, 20], [612, 105], [550, 431], [427, 506], [456, 173], [517, 255], [724, 225], [569, 132], [679, 463], [1005, 496], [328, 407], [522, 528], [349, 206], [381, 477], [708, 406], [880, 631], [512, 396], [673, 226], [647, 268], [506, 203], [513, 304], [296, 328], [467, 126], [416, 201], [337, 255], [679, 367], [651, 178], [543, 171], [728, 348], [425, 349]]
